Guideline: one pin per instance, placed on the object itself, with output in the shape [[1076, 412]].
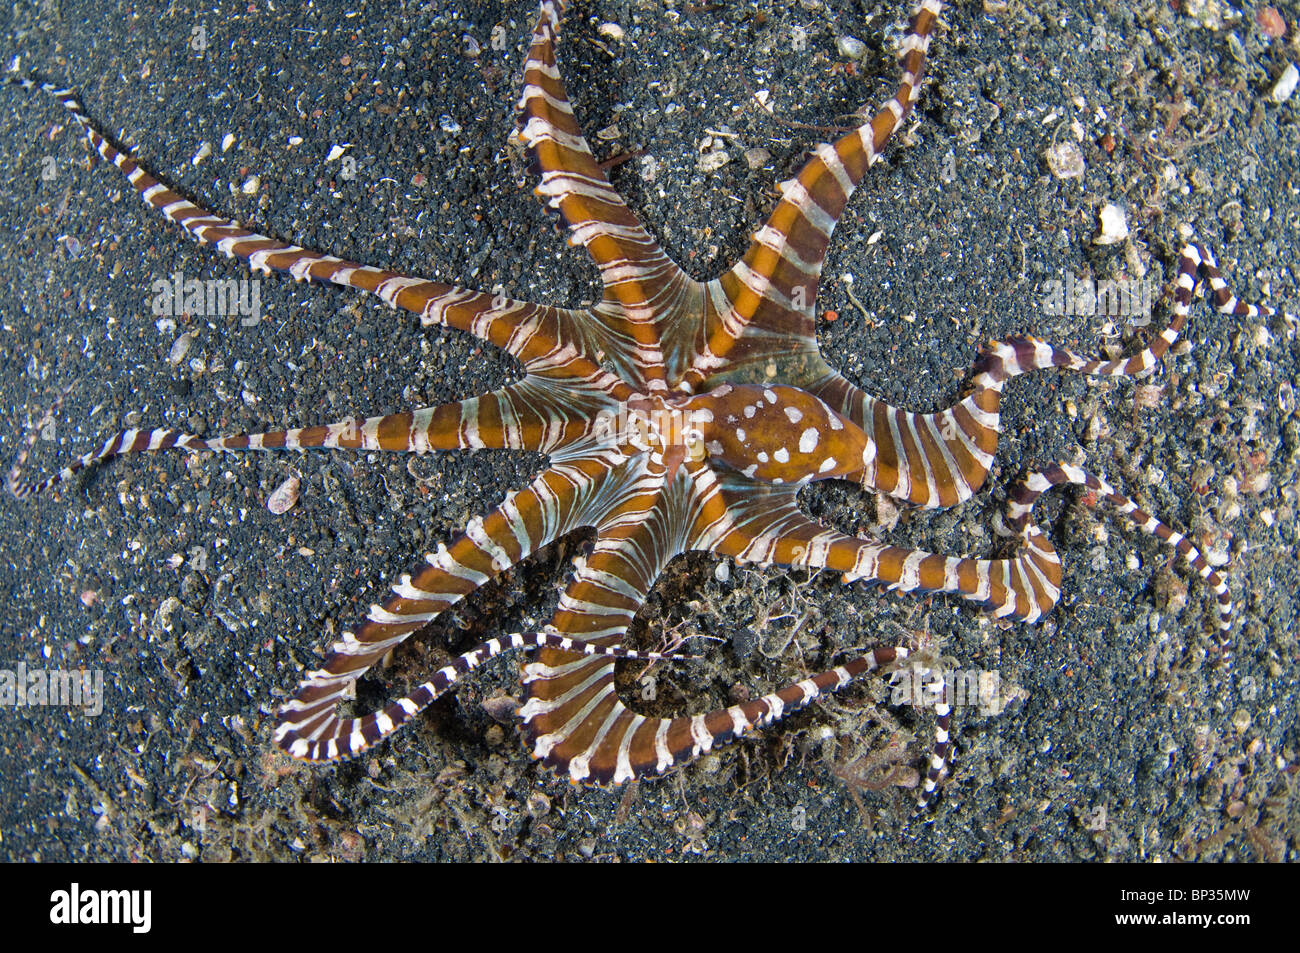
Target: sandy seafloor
[[1124, 735]]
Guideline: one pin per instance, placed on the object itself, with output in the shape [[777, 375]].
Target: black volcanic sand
[[1125, 732]]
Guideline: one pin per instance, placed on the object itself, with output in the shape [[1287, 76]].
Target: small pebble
[[713, 161], [501, 708], [285, 496], [851, 47], [539, 805], [1114, 225], [1271, 23], [180, 347], [1285, 85], [1064, 160]]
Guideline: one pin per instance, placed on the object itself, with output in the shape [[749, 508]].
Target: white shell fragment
[[1064, 160], [1114, 225], [284, 496], [713, 161], [336, 152], [204, 150], [180, 347], [1285, 85], [850, 47]]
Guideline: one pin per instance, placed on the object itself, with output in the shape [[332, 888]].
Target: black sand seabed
[[1123, 736]]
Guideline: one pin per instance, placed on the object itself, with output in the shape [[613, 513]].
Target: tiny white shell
[[1065, 160], [850, 47], [180, 347], [284, 497], [1114, 226], [1285, 84]]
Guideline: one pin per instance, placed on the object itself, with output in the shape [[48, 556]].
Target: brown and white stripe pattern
[[575, 720], [558, 502], [345, 738], [1028, 490], [541, 337], [661, 341], [762, 310], [533, 414], [642, 284], [940, 459]]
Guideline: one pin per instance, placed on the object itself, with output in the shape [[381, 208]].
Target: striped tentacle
[[1028, 490], [615, 745], [940, 459], [543, 338], [14, 481], [765, 526], [763, 307], [573, 715], [640, 281], [532, 414], [768, 511], [558, 502], [769, 529], [365, 732], [572, 709], [936, 767]]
